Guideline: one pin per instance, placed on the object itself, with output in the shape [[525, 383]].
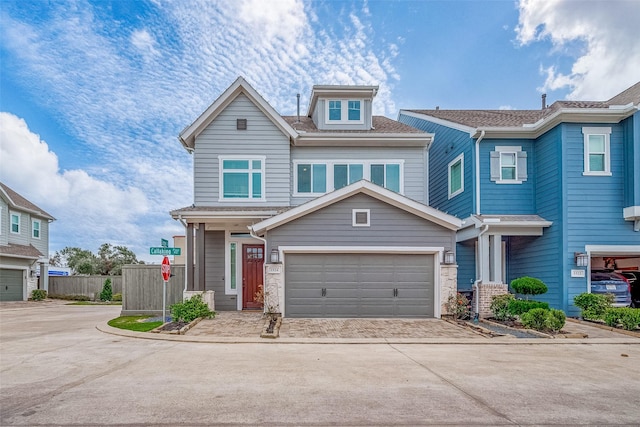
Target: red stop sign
[[166, 269]]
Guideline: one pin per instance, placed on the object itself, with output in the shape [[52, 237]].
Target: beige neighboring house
[[179, 242], [24, 243]]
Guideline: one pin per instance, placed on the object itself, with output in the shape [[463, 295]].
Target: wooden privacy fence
[[142, 289], [89, 286]]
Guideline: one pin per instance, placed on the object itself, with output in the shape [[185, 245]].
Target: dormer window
[[344, 111]]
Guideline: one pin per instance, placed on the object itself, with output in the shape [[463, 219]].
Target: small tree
[[528, 286], [107, 292]]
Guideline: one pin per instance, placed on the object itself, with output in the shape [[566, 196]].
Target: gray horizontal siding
[[332, 226], [319, 115], [415, 176], [262, 138]]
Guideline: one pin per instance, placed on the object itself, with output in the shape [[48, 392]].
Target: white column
[[483, 255], [495, 257]]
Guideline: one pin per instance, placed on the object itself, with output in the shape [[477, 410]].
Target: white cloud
[[82, 204], [145, 43], [125, 92], [599, 37]]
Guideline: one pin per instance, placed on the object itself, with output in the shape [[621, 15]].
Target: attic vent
[[360, 217], [241, 124]]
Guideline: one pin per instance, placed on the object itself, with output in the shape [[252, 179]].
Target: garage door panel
[[359, 285], [11, 285]]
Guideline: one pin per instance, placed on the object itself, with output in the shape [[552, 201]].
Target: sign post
[[166, 273]]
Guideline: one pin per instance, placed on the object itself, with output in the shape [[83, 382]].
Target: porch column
[[200, 262], [483, 256], [188, 267], [44, 277], [495, 258]]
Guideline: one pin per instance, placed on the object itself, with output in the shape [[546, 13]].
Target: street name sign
[[164, 251]]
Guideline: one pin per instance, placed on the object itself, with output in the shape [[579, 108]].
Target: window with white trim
[[35, 229], [456, 176], [361, 217], [508, 165], [242, 178], [345, 174], [311, 178], [314, 178], [15, 222], [344, 111], [233, 261], [597, 156], [386, 175]]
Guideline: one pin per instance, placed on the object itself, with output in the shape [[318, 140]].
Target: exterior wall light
[[274, 256], [449, 257], [582, 259]]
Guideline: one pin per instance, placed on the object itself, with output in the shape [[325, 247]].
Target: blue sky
[[94, 94]]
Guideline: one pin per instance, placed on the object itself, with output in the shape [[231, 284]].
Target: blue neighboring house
[[549, 193]]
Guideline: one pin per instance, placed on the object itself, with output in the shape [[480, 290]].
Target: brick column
[[485, 293]]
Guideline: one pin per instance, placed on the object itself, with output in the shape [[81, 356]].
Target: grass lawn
[[134, 323]]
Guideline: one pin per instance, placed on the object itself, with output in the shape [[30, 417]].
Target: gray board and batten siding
[[214, 244], [390, 226], [413, 158], [261, 138]]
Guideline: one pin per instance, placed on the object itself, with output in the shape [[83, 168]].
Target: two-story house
[[549, 193], [327, 213], [24, 243]]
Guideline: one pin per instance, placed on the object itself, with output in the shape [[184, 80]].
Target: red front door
[[252, 268]]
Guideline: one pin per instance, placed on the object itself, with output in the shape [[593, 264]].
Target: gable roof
[[16, 201], [240, 86], [385, 131], [533, 123], [365, 187]]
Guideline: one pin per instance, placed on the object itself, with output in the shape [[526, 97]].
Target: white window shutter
[[495, 166], [522, 166]]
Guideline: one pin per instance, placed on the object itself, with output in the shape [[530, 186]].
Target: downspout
[[484, 230], [264, 281], [478, 172], [480, 272], [186, 248]]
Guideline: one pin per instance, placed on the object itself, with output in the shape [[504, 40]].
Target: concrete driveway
[[56, 368]]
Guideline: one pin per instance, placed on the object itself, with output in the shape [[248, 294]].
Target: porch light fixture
[[275, 256], [449, 257], [582, 259]]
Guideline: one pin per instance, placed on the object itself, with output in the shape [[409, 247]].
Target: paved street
[[56, 368]]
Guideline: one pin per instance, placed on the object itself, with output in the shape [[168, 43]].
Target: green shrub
[[117, 297], [535, 319], [528, 286], [458, 306], [593, 306], [500, 306], [107, 291], [70, 297], [519, 306], [629, 318], [38, 294], [191, 309], [555, 320]]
